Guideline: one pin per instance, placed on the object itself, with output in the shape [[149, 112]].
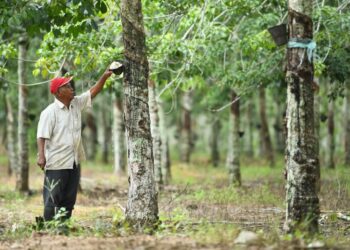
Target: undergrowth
[[198, 204]]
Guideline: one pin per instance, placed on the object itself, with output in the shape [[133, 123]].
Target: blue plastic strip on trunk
[[307, 44]]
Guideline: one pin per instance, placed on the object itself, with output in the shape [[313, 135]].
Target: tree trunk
[[278, 128], [214, 141], [330, 136], [166, 164], [264, 130], [104, 134], [22, 173], [186, 131], [317, 101], [347, 125], [233, 164], [142, 205], [250, 129], [90, 133], [156, 137], [302, 210], [118, 136], [10, 137]]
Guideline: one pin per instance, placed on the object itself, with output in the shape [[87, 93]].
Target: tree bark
[[142, 205], [347, 125], [105, 134], [278, 128], [90, 133], [233, 163], [10, 137], [302, 210], [156, 137], [264, 130], [330, 136], [250, 129], [166, 164], [118, 137], [22, 173], [317, 101], [214, 141], [186, 130]]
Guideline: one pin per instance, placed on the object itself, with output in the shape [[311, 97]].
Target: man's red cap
[[58, 82]]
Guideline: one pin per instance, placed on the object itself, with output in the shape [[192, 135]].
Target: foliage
[[338, 64], [205, 40], [332, 53], [7, 50], [38, 16], [82, 52], [260, 195]]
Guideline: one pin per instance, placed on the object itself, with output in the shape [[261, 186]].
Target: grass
[[198, 206], [231, 195]]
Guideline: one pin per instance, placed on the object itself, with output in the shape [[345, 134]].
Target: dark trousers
[[60, 191]]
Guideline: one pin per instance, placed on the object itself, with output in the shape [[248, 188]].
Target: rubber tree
[[186, 128], [104, 133], [317, 104], [347, 124], [155, 130], [330, 136], [118, 135], [90, 135], [233, 163], [250, 128], [278, 126], [10, 136], [166, 163], [142, 205], [267, 150], [215, 128], [22, 172], [10, 130], [302, 203]]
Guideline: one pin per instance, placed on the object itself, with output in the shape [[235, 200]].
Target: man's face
[[66, 92]]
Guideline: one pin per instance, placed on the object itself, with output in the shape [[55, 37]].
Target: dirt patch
[[97, 194], [47, 242]]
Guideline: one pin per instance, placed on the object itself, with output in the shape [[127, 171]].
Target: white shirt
[[61, 127]]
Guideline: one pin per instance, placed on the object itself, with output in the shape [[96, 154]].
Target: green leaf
[[56, 32], [44, 73], [36, 72], [14, 21], [103, 7], [77, 60]]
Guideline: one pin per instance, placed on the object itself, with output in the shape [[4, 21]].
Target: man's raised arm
[[101, 82]]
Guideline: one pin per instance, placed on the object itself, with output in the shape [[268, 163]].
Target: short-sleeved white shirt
[[61, 127]]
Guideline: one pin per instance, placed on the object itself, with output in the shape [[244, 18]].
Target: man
[[60, 147]]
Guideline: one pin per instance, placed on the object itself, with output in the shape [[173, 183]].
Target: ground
[[198, 210]]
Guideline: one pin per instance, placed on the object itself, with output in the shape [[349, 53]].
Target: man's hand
[[41, 153], [41, 162], [107, 73]]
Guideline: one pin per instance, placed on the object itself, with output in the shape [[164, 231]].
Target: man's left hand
[[108, 73]]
